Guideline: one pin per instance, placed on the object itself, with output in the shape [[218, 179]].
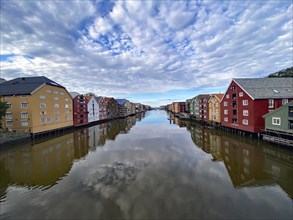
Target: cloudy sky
[[153, 52]]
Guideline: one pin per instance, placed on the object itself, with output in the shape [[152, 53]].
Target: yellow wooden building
[[215, 108], [36, 105]]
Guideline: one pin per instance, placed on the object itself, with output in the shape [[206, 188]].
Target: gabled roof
[[121, 101], [98, 98], [25, 85], [266, 88], [219, 96], [73, 94]]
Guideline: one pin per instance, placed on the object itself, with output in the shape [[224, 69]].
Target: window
[[56, 118], [276, 121], [9, 105], [284, 101], [49, 119], [271, 103], [245, 121], [56, 98], [23, 105], [225, 112], [43, 120], [42, 96], [233, 88], [23, 115], [245, 102], [8, 123], [225, 103], [24, 123], [8, 97], [66, 106], [227, 96], [290, 111], [56, 105], [42, 105], [226, 119], [234, 121], [56, 112], [49, 91], [68, 118], [23, 96], [56, 92], [245, 112], [43, 112], [62, 93], [66, 99], [240, 94], [234, 112], [8, 115]]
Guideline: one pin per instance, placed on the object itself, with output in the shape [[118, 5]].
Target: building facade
[[248, 99], [80, 111], [214, 108], [93, 108], [36, 105]]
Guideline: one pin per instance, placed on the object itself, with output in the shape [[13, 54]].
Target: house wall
[[41, 119], [214, 107], [256, 109], [80, 111], [93, 110]]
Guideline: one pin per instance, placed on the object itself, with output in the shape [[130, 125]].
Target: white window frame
[[8, 97], [245, 121], [225, 103], [276, 120], [56, 118], [43, 105], [23, 105], [226, 119], [284, 101], [23, 96], [42, 96], [56, 105], [271, 103], [56, 92], [62, 93], [9, 105], [245, 113], [245, 102], [240, 94], [227, 96], [43, 120], [66, 106], [8, 123], [23, 114], [24, 123], [49, 120], [66, 99], [226, 112], [49, 90], [56, 98], [8, 114]]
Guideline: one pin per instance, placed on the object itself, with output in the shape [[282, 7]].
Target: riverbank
[[8, 137]]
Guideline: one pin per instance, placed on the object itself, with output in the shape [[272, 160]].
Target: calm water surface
[[149, 166]]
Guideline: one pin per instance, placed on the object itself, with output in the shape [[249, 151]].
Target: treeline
[[282, 73]]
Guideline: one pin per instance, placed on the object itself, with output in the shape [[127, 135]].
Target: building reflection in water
[[43, 164], [250, 163]]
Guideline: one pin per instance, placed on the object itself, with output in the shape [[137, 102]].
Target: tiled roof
[[219, 96], [73, 94], [265, 88], [25, 85]]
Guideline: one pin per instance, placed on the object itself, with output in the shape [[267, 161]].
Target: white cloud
[[146, 46]]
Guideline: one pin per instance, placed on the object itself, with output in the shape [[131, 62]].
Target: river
[[149, 166]]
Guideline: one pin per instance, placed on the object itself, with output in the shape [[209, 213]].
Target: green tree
[[3, 109]]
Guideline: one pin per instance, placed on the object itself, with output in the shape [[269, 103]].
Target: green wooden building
[[279, 125]]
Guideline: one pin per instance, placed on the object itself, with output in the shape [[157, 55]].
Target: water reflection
[[250, 163], [43, 164], [158, 170]]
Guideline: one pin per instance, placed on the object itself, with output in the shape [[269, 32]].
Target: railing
[[278, 140]]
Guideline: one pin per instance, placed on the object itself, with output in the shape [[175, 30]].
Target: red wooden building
[[80, 111], [247, 100]]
